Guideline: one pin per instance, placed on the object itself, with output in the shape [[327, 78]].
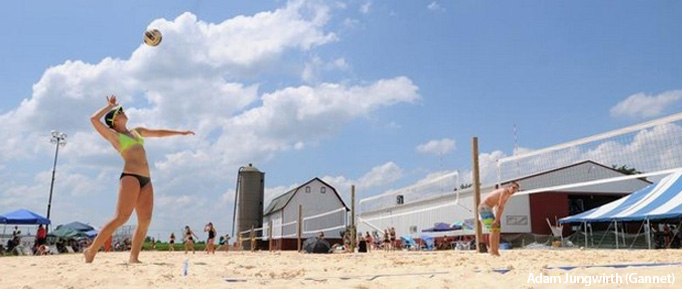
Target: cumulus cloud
[[204, 77], [316, 66], [378, 176], [437, 147], [366, 7], [641, 105], [434, 6]]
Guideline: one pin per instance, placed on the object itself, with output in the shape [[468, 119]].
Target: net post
[[477, 194], [270, 235], [352, 219], [300, 228]]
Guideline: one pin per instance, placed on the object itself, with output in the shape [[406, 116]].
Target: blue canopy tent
[[2, 219], [659, 201], [25, 217]]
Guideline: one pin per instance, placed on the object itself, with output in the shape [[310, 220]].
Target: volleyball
[[152, 37]]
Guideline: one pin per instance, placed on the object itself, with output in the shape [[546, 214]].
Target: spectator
[[362, 245], [171, 243], [41, 235], [370, 241], [394, 243], [387, 240]]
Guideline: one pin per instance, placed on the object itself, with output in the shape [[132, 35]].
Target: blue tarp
[[662, 200], [25, 217], [2, 219], [440, 227]]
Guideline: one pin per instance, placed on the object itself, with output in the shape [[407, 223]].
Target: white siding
[[314, 202], [458, 210]]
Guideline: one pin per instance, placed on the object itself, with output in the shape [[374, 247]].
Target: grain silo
[[249, 199]]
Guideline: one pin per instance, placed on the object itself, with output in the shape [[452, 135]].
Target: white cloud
[[385, 174], [437, 147], [381, 175], [641, 105], [434, 6], [350, 23], [365, 8], [316, 66]]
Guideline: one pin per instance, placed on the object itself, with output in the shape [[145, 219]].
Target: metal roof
[[278, 203]]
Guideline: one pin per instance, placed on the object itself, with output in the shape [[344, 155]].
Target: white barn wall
[[315, 202]]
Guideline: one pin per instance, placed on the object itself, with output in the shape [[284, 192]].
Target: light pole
[[59, 139]]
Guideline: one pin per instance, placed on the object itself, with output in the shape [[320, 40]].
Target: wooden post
[[252, 239], [353, 230], [270, 235], [300, 227], [477, 195]]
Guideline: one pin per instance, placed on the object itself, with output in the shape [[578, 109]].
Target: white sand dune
[[443, 269]]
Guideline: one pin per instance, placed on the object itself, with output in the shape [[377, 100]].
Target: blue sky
[[347, 91]]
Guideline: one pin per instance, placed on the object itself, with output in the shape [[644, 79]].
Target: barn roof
[[282, 200]]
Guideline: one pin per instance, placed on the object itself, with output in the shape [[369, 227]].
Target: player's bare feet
[[89, 255]]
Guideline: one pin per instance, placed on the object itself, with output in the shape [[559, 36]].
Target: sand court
[[441, 269]]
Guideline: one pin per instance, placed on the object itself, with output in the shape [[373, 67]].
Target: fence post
[[353, 231], [270, 235], [253, 240], [300, 227]]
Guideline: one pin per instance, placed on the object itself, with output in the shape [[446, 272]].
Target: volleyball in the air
[[152, 37]]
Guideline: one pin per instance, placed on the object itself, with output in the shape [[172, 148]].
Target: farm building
[[323, 210], [524, 213]]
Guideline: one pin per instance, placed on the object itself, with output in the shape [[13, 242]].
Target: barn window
[[307, 189], [323, 190]]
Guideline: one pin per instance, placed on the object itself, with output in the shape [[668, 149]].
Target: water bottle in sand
[[185, 267]]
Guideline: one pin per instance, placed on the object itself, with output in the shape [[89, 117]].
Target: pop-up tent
[[2, 219], [24, 217], [78, 226], [85, 229], [659, 201], [66, 232]]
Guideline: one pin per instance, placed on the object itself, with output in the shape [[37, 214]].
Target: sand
[[442, 269]]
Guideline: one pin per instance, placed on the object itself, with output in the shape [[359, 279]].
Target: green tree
[[624, 169]]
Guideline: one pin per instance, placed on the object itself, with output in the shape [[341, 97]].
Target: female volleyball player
[[135, 187]]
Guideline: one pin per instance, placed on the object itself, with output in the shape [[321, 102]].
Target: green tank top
[[126, 142]]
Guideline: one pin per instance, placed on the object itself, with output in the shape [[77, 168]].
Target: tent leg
[[585, 226], [648, 233], [616, 225]]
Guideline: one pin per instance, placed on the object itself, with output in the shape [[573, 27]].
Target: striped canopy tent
[[659, 201]]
